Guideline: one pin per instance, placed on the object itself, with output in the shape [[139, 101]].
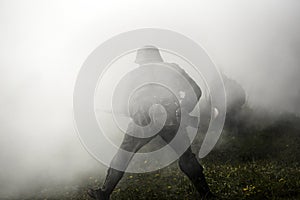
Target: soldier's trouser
[[187, 161]]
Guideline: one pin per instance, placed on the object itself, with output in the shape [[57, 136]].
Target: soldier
[[140, 103], [235, 99]]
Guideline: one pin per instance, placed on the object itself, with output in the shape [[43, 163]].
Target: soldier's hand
[[158, 115]]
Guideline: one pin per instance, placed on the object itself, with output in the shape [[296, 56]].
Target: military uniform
[[140, 103]]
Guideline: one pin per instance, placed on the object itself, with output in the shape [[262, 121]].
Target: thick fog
[[44, 43]]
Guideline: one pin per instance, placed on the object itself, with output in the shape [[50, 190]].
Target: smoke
[[43, 45]]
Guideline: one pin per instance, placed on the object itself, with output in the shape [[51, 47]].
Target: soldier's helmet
[[148, 54]]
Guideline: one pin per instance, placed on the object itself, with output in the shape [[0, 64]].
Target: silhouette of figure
[[140, 105]]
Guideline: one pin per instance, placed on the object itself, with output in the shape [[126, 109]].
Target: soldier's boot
[[203, 189], [97, 194], [192, 168], [112, 179]]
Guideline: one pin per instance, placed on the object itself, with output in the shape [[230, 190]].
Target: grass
[[260, 162], [249, 180], [252, 180]]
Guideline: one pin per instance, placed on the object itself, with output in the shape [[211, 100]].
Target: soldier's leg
[[188, 162], [121, 160]]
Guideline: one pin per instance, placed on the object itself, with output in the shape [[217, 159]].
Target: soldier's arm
[[189, 120], [194, 85]]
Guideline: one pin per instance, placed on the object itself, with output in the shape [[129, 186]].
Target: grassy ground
[[260, 162], [249, 180], [256, 180]]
